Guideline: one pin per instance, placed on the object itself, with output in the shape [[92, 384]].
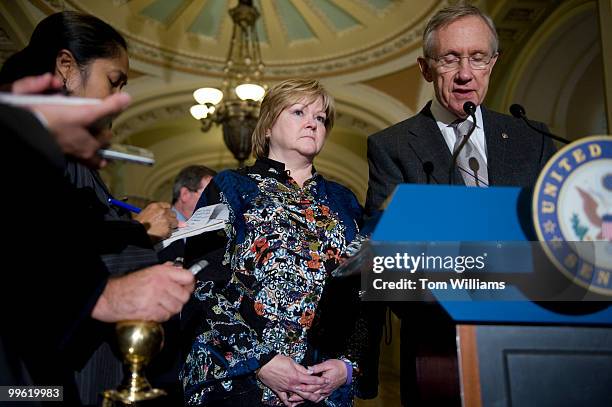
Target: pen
[[124, 205]]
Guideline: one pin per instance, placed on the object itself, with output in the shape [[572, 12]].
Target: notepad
[[205, 219]]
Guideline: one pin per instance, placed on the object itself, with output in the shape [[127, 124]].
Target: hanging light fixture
[[236, 107]]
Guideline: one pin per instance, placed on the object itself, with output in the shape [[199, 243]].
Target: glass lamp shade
[[208, 95], [250, 91], [198, 111]]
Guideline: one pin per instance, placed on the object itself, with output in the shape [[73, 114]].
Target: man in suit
[[186, 191], [188, 187], [460, 49]]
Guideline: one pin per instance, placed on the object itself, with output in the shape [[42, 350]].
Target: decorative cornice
[[139, 122], [142, 121], [386, 48], [344, 61], [354, 123]]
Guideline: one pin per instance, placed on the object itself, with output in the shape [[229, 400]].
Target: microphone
[[470, 109], [428, 167], [474, 166], [518, 111]]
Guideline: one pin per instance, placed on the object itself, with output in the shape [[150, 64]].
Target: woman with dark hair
[[90, 58], [77, 38], [253, 319]]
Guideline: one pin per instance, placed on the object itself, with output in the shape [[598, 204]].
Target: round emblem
[[572, 208]]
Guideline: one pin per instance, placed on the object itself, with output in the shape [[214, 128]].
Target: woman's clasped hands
[[294, 383]]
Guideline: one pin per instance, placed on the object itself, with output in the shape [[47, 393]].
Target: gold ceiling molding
[[387, 49], [386, 35], [533, 48], [518, 26], [556, 61], [370, 104], [152, 116], [130, 124], [354, 123]]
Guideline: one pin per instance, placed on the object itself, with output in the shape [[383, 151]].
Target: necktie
[[470, 162]]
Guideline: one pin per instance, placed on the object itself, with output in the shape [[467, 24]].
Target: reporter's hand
[[334, 371], [285, 377], [72, 125], [36, 84], [158, 219], [152, 294]]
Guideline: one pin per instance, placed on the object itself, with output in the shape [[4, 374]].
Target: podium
[[510, 349]]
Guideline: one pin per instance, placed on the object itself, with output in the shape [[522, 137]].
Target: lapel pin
[[504, 135]]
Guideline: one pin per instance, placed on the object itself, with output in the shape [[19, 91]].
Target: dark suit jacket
[[396, 155], [52, 275]]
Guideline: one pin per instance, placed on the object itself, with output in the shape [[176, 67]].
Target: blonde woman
[[289, 228]]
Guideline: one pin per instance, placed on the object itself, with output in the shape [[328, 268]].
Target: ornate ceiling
[[363, 50], [315, 37]]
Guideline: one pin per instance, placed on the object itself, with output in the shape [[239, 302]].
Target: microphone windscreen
[[517, 111], [473, 163], [469, 108]]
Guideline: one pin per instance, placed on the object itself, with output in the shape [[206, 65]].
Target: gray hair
[[190, 177], [449, 14]]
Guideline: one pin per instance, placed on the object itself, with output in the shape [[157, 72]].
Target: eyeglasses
[[451, 62]]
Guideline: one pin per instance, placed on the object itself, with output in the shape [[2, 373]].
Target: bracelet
[[349, 372]]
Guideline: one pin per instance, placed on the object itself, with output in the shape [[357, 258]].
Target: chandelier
[[236, 107]]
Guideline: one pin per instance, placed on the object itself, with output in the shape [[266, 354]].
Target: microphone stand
[[518, 111], [428, 168], [474, 166], [470, 109]]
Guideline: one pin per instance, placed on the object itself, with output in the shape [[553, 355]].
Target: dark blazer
[[52, 275], [396, 155]]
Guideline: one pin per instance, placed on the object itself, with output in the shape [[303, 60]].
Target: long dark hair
[[85, 36]]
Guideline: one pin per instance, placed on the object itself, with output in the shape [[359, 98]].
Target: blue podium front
[[511, 350], [450, 217]]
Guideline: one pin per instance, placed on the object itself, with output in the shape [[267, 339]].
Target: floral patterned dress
[[282, 243]]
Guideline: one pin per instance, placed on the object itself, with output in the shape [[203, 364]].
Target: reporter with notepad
[[90, 59], [54, 284]]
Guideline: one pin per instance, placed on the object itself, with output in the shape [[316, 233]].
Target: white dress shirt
[[445, 120]]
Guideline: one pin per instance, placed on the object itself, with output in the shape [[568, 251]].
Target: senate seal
[[572, 210]]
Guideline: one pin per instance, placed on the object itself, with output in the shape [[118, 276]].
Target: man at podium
[[460, 49]]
